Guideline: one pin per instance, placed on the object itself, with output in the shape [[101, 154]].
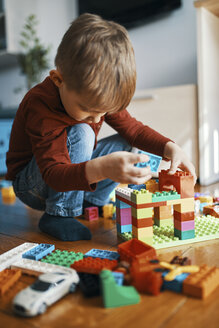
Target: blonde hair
[[96, 59]]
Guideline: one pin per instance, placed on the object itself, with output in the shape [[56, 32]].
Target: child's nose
[[96, 119]]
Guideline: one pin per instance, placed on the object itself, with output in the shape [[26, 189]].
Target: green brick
[[63, 258], [188, 234], [163, 196]]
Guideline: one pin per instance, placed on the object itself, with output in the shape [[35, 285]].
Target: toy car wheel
[[42, 308], [72, 288]]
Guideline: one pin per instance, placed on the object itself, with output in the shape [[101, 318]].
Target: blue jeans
[[32, 190]]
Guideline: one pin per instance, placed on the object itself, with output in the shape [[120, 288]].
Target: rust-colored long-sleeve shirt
[[39, 130]]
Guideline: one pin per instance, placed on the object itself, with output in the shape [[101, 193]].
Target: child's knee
[[82, 137]]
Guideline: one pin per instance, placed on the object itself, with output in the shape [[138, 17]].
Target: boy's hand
[[119, 167], [178, 159]]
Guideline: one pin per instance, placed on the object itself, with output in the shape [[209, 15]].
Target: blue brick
[[119, 277], [121, 204], [124, 228], [176, 284], [154, 161], [38, 252], [103, 254]]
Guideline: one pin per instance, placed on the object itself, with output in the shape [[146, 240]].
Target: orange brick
[[162, 212], [94, 265], [142, 223], [8, 278], [183, 216], [201, 284]]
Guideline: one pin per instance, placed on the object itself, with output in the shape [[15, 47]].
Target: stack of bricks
[[123, 210], [184, 217], [142, 223]]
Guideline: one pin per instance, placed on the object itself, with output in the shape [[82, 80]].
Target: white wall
[[165, 49], [54, 17]]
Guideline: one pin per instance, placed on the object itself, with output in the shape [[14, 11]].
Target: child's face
[[74, 103], [76, 108]]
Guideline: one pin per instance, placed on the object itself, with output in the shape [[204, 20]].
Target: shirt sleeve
[[48, 137], [136, 133]]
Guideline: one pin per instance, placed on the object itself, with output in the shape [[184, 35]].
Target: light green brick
[[163, 222], [142, 196], [142, 213]]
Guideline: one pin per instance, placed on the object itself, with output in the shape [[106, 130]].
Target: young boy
[[54, 159]]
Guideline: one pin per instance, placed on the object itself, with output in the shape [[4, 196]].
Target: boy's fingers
[[138, 158], [140, 172], [173, 167], [139, 181]]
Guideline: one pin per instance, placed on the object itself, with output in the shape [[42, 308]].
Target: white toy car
[[46, 290]]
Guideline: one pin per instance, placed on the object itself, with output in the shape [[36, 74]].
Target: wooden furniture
[[208, 86], [19, 224]]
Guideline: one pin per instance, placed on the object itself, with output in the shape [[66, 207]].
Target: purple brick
[[184, 225], [123, 216]]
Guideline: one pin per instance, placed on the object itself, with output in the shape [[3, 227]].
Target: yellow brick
[[186, 205], [142, 232], [173, 201], [142, 213]]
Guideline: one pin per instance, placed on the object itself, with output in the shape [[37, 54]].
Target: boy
[[54, 159]]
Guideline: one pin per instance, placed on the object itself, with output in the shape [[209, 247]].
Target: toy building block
[[15, 254], [136, 250], [202, 283], [123, 216], [8, 192], [8, 277], [94, 265], [108, 211], [153, 162], [141, 196], [115, 295], [211, 210], [121, 204], [163, 212], [102, 254], [137, 187], [142, 213], [119, 277], [183, 217], [63, 258], [184, 226], [142, 223], [176, 284], [36, 268], [162, 196], [89, 284], [181, 181], [206, 199], [185, 205], [206, 228], [188, 234], [163, 223], [124, 193], [146, 278], [91, 213], [175, 270], [180, 260], [123, 228], [152, 185], [38, 252]]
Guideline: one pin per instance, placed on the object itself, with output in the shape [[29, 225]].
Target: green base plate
[[206, 228]]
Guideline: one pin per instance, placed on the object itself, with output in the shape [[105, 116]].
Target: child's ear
[[56, 77]]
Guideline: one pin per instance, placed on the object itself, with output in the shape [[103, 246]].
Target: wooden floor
[[19, 224]]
